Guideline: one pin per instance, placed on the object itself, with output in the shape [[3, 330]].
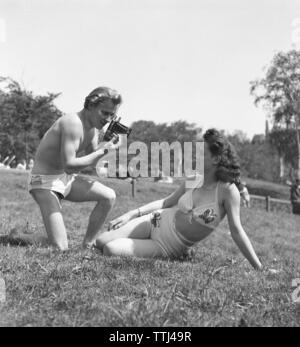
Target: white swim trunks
[[61, 184]]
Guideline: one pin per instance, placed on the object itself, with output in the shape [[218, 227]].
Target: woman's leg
[[134, 248], [138, 228]]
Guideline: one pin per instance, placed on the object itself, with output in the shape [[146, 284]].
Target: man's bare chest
[[86, 140]]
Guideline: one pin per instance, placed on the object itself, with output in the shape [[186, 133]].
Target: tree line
[[273, 156], [24, 119]]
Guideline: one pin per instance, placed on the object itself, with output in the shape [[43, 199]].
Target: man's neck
[[85, 117]]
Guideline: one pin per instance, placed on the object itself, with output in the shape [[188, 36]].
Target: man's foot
[[88, 252]]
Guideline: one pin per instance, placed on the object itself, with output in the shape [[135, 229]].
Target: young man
[[245, 196], [53, 176], [295, 196]]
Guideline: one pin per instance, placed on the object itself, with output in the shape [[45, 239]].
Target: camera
[[115, 128]]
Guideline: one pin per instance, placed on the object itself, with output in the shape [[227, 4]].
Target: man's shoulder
[[71, 122], [70, 118]]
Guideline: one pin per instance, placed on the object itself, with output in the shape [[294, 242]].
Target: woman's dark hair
[[228, 168], [102, 94]]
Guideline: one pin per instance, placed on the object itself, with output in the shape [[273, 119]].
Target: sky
[[171, 60]]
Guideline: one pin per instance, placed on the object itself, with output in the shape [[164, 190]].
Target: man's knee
[[109, 199]]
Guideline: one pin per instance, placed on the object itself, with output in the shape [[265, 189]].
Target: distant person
[[30, 164], [166, 179], [244, 193], [295, 196], [158, 175], [21, 165], [5, 160], [54, 174], [3, 163], [289, 183], [8, 161], [167, 228]]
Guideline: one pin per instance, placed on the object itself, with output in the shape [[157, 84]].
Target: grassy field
[[217, 287]]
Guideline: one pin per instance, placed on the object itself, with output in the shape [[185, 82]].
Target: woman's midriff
[[193, 231]]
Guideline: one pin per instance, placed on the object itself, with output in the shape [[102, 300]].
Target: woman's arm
[[167, 202], [170, 201], [232, 207]]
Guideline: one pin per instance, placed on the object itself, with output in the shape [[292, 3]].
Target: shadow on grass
[[6, 240]]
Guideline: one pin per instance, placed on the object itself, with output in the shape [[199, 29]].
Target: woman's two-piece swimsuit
[[163, 229]]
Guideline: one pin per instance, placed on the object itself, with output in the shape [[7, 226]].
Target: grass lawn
[[216, 288]]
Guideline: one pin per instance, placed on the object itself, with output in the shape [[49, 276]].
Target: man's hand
[[114, 143]]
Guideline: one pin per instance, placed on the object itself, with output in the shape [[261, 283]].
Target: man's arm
[[232, 207], [71, 135]]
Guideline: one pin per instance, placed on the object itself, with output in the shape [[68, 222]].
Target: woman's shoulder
[[193, 181], [229, 190]]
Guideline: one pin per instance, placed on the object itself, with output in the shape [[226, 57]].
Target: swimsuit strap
[[217, 199], [217, 194]]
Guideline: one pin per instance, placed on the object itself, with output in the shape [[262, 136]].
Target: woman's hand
[[120, 221]]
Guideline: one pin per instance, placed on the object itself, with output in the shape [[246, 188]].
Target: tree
[[238, 137], [258, 159], [24, 118], [279, 91], [285, 141], [262, 159]]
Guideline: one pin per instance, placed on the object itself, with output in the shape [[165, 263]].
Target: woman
[[166, 228]]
